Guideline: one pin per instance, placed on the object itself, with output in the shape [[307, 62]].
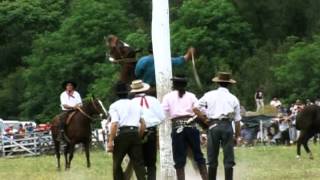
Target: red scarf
[[144, 101], [70, 94]]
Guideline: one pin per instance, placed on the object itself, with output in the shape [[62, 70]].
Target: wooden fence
[[29, 145], [36, 144]]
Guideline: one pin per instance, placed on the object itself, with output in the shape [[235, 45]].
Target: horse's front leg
[[57, 151], [66, 152], [71, 151], [87, 151]]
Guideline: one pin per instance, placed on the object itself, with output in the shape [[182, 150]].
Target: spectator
[[21, 131], [29, 128], [284, 129], [308, 102], [275, 102], [259, 100]]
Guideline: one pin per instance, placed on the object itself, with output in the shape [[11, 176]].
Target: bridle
[[95, 108]]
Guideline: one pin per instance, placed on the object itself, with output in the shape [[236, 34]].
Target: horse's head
[[119, 49], [95, 107], [111, 41]]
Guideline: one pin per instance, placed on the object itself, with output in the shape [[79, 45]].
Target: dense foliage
[[266, 44]]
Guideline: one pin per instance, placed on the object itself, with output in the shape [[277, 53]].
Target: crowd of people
[[282, 129]]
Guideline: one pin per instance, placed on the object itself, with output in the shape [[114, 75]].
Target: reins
[[86, 114]]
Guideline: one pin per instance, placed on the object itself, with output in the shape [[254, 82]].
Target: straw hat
[[224, 77], [139, 86]]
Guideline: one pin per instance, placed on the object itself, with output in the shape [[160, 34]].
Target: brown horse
[[78, 130], [308, 122], [123, 54]]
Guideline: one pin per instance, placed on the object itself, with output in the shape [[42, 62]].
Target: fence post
[[261, 131]]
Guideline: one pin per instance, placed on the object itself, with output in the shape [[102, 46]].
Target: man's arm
[[113, 132], [142, 127], [201, 116]]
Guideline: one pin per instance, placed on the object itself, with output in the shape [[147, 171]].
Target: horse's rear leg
[[57, 151], [305, 143], [87, 151]]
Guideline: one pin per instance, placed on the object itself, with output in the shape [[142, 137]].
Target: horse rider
[[145, 69], [126, 119], [70, 100], [179, 105], [153, 115], [221, 108]]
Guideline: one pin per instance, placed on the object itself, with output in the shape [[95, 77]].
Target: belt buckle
[[131, 128]]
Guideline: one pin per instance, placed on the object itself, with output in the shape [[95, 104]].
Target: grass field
[[258, 163]]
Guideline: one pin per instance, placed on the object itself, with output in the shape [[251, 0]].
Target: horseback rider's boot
[[203, 171], [212, 173], [60, 136], [228, 173], [180, 174]]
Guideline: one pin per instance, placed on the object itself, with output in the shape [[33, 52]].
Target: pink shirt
[[177, 106]]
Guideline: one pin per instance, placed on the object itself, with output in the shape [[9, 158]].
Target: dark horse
[[123, 54], [308, 122], [78, 130]]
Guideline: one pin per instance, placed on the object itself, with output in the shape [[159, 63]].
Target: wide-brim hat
[[121, 88], [139, 86], [224, 77], [64, 84], [179, 79]]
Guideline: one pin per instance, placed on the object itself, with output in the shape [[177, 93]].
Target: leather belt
[[215, 122], [128, 129], [182, 121]]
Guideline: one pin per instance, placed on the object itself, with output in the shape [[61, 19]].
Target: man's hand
[[110, 146], [189, 53]]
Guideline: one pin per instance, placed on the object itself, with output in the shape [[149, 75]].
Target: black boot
[[212, 173], [228, 173], [180, 174], [203, 171]]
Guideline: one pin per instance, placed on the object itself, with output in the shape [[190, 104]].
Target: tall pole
[[163, 69]]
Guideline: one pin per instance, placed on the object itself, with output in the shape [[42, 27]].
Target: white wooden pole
[[163, 69]]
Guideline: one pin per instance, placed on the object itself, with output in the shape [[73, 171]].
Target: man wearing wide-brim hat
[[125, 134], [179, 105], [70, 99], [219, 108], [153, 115]]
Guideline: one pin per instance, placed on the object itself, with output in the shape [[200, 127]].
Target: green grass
[[266, 163]]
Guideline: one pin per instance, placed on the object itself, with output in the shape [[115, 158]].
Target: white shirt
[[177, 106], [275, 103], [73, 100], [220, 103], [152, 112], [126, 113]]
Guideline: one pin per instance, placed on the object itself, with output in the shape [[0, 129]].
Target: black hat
[[121, 88], [64, 84], [179, 78]]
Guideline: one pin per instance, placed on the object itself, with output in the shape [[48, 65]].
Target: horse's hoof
[[311, 158], [298, 157]]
